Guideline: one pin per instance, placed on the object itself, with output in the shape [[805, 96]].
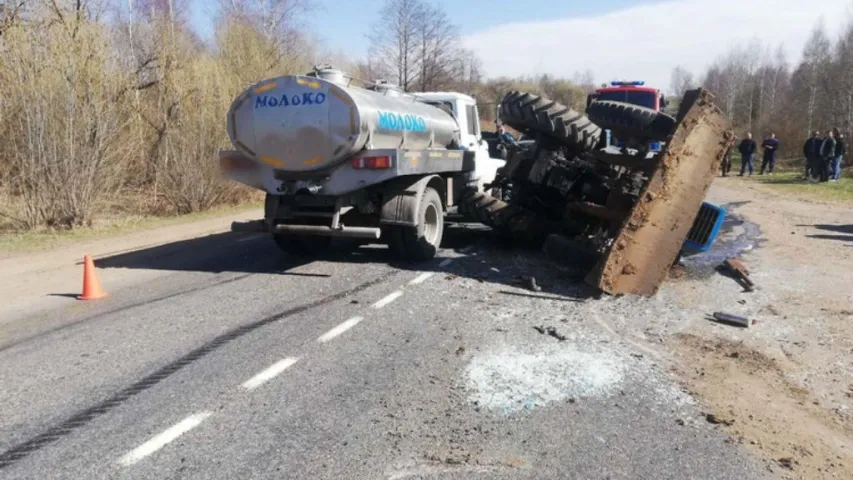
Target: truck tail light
[[360, 163], [235, 162]]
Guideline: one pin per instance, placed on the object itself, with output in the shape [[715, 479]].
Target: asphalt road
[[241, 362]]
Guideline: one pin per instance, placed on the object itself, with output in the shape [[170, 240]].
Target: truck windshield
[[643, 99]]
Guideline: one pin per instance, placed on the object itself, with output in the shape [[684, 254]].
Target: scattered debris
[[460, 350], [551, 331], [711, 418], [787, 462], [530, 283], [737, 269], [451, 277], [680, 421], [730, 319]]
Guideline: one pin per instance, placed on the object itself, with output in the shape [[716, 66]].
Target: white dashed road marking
[[273, 371], [388, 299], [446, 262], [421, 278], [339, 329], [163, 439], [249, 238]]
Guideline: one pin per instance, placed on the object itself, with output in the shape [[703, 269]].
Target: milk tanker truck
[[374, 163]]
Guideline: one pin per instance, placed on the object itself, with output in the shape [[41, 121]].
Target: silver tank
[[310, 122]]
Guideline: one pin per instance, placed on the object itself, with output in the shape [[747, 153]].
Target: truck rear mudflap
[[654, 232]]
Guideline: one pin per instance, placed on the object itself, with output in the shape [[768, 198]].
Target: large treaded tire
[[527, 112], [632, 120]]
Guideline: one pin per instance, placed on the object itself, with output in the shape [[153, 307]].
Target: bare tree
[[842, 91], [681, 80], [815, 65], [395, 39]]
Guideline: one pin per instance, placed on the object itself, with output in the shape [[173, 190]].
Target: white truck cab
[[464, 109]]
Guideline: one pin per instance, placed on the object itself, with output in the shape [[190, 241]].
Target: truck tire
[[532, 113], [419, 243], [628, 119], [302, 244]]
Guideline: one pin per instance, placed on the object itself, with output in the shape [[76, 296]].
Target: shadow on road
[[846, 230], [498, 261]]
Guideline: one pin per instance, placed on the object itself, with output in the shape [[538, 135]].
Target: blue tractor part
[[610, 140], [706, 227]]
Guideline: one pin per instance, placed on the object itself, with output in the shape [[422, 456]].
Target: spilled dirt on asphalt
[[764, 411]]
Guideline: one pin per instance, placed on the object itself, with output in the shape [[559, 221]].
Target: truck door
[[485, 167]]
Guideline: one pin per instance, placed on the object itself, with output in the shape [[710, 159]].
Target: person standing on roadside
[[827, 153], [727, 157], [811, 152], [747, 150], [770, 146], [838, 157]]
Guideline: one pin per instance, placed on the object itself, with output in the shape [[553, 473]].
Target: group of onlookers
[[823, 155]]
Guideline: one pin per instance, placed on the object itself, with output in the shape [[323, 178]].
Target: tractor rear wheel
[[534, 114], [631, 120]]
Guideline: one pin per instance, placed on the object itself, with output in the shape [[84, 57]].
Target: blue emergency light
[[622, 84]]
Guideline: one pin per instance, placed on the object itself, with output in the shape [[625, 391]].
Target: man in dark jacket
[[827, 153], [747, 150], [811, 152], [770, 145], [727, 157], [838, 157]]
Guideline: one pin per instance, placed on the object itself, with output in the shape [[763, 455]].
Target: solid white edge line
[[343, 327], [268, 374], [161, 440], [446, 262], [421, 278], [388, 299]]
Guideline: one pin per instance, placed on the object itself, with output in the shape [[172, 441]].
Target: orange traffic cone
[[91, 284]]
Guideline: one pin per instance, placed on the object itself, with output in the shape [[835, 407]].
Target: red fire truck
[[635, 93]]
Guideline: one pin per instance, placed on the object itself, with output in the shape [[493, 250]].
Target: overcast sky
[[645, 42]]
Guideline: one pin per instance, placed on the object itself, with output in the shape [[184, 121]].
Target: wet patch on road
[[737, 237]]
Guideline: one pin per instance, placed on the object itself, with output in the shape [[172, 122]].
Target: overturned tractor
[[628, 213]]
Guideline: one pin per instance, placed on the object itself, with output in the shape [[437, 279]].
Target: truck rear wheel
[[422, 242], [628, 119], [302, 244]]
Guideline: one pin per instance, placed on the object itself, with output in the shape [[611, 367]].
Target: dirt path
[[783, 387]]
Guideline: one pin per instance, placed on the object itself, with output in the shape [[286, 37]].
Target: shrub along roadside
[[104, 116]]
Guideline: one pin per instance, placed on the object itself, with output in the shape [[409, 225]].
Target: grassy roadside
[[791, 182], [36, 241]]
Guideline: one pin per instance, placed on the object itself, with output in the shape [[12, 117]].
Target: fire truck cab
[[633, 92]]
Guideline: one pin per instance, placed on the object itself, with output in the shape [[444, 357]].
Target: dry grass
[[122, 119], [41, 239], [792, 182]]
